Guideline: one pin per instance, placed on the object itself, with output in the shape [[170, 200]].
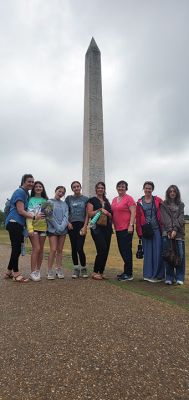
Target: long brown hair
[[43, 193], [177, 198]]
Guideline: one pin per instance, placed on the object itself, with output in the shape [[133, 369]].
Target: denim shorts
[[40, 233]]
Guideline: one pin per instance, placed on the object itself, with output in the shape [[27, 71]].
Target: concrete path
[[83, 339]]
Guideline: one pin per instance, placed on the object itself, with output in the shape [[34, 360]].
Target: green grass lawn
[[176, 295]]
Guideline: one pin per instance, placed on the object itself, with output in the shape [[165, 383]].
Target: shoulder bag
[[147, 230]]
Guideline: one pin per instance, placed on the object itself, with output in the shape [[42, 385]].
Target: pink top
[[121, 212]]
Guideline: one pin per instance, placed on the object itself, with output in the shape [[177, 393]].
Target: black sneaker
[[125, 277]]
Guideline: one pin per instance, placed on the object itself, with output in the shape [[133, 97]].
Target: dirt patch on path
[[83, 339]]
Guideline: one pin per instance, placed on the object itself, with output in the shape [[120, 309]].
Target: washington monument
[[93, 141]]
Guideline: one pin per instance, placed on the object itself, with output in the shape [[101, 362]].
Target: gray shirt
[[59, 221], [77, 208], [150, 213]]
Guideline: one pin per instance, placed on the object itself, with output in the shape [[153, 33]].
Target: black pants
[[16, 237], [124, 241], [102, 238], [77, 242]]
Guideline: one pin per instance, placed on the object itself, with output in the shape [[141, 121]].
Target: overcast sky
[[145, 64]]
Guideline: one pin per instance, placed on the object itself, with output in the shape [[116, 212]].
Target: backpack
[[7, 208]]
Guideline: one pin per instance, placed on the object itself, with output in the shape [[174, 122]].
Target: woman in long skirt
[[148, 211]]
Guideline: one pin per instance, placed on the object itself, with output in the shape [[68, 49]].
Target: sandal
[[8, 275], [20, 279], [104, 277], [97, 277]]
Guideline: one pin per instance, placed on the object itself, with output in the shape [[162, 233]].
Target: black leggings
[[124, 241], [16, 237], [77, 242], [102, 238]]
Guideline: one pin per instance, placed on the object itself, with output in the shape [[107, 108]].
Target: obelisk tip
[[93, 46]]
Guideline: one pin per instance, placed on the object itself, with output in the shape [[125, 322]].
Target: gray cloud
[[145, 66]]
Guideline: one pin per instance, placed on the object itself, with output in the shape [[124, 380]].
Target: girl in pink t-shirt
[[124, 211]]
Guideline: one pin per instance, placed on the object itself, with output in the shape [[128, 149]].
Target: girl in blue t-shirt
[[15, 222]]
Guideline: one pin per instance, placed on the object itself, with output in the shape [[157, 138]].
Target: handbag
[[102, 220], [139, 253], [170, 253], [147, 231]]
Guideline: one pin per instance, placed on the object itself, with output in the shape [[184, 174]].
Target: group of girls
[[72, 217], [46, 217]]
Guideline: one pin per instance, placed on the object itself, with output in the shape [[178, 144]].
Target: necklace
[[119, 198]]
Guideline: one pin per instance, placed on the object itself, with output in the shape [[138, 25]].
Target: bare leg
[[35, 251], [61, 240], [53, 241], [40, 255]]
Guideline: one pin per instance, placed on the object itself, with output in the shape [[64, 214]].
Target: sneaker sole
[[125, 280], [34, 280], [151, 280]]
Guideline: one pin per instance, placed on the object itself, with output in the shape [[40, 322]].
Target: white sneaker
[[38, 273], [76, 272], [84, 273], [179, 282], [151, 280], [168, 282], [35, 276], [59, 273], [50, 274]]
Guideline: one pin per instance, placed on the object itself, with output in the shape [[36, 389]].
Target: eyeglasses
[[172, 191], [30, 181]]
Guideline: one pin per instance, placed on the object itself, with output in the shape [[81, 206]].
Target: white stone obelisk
[[93, 140]]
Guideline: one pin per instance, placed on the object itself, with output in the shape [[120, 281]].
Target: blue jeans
[[179, 272], [124, 241]]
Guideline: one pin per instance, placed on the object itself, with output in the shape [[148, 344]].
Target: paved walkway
[[83, 339]]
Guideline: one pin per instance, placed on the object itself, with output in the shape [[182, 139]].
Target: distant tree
[[186, 217], [1, 218]]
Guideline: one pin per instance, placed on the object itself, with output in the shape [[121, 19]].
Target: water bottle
[[93, 221], [23, 249]]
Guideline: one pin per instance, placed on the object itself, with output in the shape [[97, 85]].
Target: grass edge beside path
[[143, 292]]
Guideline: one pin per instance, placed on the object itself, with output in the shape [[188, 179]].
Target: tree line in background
[[2, 218]]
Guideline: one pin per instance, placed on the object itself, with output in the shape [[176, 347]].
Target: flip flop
[[20, 279], [8, 275], [104, 277], [97, 277]]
